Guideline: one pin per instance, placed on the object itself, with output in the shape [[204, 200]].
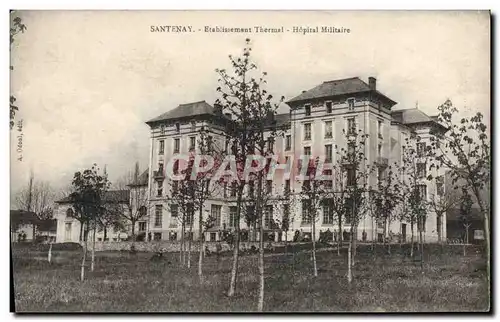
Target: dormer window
[[329, 107], [308, 109], [350, 103]]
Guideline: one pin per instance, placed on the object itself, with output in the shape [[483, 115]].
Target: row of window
[[177, 145], [216, 215], [216, 211], [351, 129], [177, 127], [188, 219], [328, 106], [68, 227]]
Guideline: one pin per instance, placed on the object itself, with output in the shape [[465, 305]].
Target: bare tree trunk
[[49, 256], [466, 239], [93, 250], [421, 248], [183, 255], [401, 235], [105, 231], [349, 269], [339, 236], [385, 233], [315, 267], [286, 244], [390, 240], [133, 231], [374, 238], [354, 244], [260, 305], [84, 257], [236, 249], [412, 233], [439, 224], [202, 245], [487, 239], [189, 243], [200, 258]]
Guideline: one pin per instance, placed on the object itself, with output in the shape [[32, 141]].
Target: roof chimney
[[217, 109], [372, 82], [303, 92]]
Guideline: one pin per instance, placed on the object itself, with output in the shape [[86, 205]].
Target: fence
[[173, 246]]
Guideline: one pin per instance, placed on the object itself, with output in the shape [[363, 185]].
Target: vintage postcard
[[250, 161]]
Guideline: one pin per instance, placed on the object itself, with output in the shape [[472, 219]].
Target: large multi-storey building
[[314, 126]]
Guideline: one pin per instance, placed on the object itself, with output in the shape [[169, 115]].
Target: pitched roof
[[48, 225], [109, 196], [455, 214], [414, 116], [142, 180], [23, 217], [336, 88], [278, 121], [411, 116], [282, 119], [185, 110]]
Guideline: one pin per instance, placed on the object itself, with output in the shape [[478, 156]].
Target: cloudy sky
[[87, 81]]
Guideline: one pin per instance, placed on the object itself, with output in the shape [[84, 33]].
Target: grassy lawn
[[134, 283]]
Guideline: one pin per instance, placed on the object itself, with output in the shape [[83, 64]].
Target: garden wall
[[171, 246]]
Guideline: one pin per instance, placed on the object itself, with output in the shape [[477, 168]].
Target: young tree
[[38, 197], [441, 202], [284, 214], [383, 198], [351, 162], [402, 209], [314, 193], [138, 205], [181, 203], [206, 186], [465, 213], [337, 200], [464, 148], [111, 217], [87, 202], [413, 186], [250, 105]]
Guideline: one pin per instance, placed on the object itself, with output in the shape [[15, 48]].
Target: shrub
[[65, 246]]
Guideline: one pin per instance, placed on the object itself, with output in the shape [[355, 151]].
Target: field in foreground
[[133, 283]]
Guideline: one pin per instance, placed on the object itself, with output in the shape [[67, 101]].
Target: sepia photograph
[[250, 161]]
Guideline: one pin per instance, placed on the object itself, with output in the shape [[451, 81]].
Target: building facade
[[315, 125], [70, 229]]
